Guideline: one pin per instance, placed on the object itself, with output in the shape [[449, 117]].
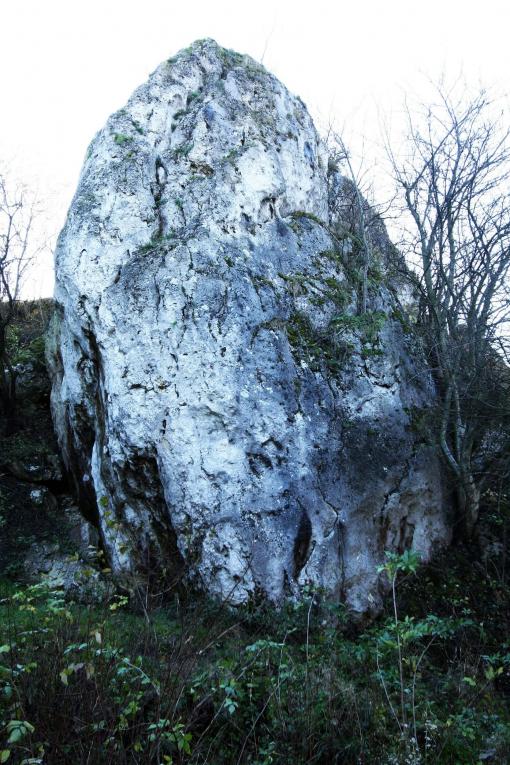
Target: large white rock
[[218, 417]]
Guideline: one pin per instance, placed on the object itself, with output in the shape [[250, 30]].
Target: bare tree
[[18, 213], [362, 214], [454, 187], [352, 213]]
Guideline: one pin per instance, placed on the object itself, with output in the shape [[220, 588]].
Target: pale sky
[[67, 64]]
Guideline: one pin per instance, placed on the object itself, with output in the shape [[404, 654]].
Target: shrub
[[198, 683]]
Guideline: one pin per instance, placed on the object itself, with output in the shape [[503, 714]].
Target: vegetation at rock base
[[196, 682]]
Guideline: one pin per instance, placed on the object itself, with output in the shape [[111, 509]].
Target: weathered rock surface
[[224, 410]]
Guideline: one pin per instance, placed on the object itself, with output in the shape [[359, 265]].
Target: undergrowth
[[201, 683]]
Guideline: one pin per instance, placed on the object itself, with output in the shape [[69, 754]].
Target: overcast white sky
[[65, 65]]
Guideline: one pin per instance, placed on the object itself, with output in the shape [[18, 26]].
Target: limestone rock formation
[[226, 413]]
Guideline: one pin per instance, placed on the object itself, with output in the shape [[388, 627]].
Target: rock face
[[226, 412]]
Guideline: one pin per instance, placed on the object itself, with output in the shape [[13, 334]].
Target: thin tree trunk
[[469, 504]]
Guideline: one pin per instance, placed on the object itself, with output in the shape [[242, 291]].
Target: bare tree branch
[[19, 209], [453, 183]]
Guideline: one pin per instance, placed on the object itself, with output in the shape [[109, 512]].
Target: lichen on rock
[[226, 414]]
